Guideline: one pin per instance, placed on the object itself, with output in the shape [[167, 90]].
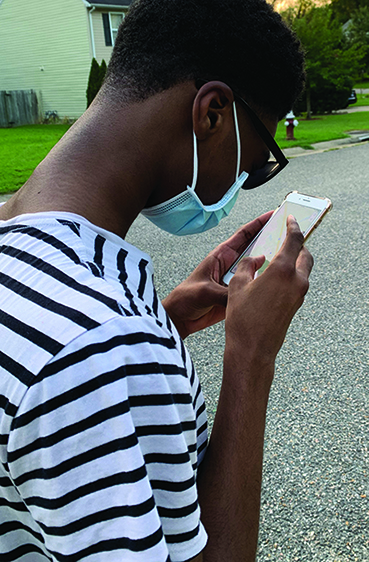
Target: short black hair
[[244, 43]]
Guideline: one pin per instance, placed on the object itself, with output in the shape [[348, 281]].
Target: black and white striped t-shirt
[[102, 419]]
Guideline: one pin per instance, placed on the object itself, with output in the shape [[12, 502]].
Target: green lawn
[[22, 148], [323, 128], [363, 84], [362, 99]]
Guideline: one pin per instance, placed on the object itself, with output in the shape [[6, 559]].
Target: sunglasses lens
[[262, 176]]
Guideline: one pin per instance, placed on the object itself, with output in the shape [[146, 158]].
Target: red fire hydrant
[[290, 124]]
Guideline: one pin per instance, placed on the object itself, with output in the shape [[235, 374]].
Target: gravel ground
[[315, 500]]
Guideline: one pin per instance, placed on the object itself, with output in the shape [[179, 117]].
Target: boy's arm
[[257, 318]]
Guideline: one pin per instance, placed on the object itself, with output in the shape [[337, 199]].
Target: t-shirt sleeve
[[103, 449]]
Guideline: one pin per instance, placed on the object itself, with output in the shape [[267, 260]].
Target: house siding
[[101, 50], [45, 45]]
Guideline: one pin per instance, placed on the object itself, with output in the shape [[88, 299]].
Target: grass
[[22, 148], [361, 85], [362, 99], [323, 128]]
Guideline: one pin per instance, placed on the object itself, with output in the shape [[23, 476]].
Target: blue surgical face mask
[[185, 213]]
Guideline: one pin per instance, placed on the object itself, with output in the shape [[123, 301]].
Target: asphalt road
[[315, 501]]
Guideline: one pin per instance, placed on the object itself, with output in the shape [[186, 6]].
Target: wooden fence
[[18, 107]]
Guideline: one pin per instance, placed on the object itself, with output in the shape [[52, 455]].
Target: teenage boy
[[103, 447]]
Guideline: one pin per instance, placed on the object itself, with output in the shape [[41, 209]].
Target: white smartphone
[[308, 211]]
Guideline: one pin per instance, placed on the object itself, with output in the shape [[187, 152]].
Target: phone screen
[[271, 238]]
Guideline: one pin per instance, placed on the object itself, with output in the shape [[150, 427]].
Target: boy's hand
[[200, 301], [260, 311]]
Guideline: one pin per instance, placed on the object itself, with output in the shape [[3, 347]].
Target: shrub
[[102, 71], [326, 96], [95, 79]]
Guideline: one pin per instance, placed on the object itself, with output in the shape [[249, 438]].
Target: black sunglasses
[[272, 167]]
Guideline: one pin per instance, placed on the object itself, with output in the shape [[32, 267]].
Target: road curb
[[338, 144]]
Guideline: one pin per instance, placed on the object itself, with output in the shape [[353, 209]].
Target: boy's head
[[243, 43]]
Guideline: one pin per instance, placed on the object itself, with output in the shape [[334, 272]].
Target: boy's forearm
[[229, 482], [259, 312]]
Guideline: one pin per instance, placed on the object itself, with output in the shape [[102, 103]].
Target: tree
[[332, 63], [342, 10], [95, 79], [358, 32]]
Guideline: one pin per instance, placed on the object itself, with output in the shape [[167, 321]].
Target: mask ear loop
[[195, 164], [195, 157], [238, 140]]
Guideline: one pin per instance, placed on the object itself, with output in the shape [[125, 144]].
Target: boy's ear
[[211, 106]]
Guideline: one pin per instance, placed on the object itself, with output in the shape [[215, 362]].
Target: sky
[[281, 5]]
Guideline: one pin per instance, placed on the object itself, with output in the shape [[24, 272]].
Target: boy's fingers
[[248, 266], [294, 239], [247, 233], [305, 262]]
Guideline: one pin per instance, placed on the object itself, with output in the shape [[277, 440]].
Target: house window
[[111, 23], [115, 21]]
